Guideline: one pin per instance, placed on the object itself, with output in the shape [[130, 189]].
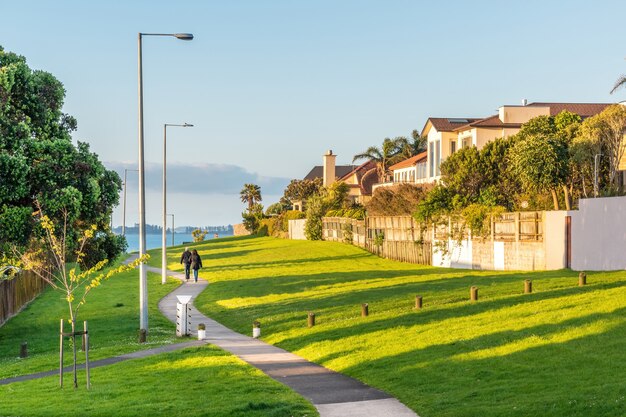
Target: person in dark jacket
[[185, 259], [196, 263]]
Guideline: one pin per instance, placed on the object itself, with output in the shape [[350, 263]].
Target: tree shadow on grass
[[577, 377], [460, 308]]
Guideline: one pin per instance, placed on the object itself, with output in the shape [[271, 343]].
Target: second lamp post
[[164, 236]]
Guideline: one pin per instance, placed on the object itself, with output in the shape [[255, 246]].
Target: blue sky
[[271, 85]]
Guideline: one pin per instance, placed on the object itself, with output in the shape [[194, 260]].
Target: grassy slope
[[186, 383], [112, 311], [556, 352], [193, 382]]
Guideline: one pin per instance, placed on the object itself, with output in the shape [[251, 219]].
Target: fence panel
[[17, 292]]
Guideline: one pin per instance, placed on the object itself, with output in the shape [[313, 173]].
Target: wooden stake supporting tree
[[54, 247]]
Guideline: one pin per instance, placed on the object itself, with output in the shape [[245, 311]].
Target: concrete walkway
[[333, 394]]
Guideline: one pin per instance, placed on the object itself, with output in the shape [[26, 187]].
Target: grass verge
[[203, 381], [555, 352]]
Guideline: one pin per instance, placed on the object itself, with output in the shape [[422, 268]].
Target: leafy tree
[[251, 194], [73, 283], [317, 207], [38, 161], [606, 130], [302, 189], [391, 151], [275, 209], [198, 235], [541, 164], [252, 218]]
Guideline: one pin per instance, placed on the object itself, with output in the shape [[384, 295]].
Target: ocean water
[[154, 241]]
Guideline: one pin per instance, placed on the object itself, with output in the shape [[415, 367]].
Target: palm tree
[[251, 194], [392, 151], [621, 81]]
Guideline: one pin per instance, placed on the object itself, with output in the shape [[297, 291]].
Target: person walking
[[196, 263], [185, 259]]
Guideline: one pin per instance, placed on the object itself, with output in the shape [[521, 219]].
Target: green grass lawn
[[203, 381], [556, 352], [112, 311]]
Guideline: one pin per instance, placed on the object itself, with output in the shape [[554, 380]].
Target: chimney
[[524, 102], [329, 168]]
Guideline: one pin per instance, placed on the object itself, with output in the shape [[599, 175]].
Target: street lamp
[[173, 232], [595, 174], [124, 205], [143, 277], [164, 238]]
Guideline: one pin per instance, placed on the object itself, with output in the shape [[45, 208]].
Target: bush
[[199, 235], [104, 245], [397, 201]]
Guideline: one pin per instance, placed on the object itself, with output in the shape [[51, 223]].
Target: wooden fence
[[17, 292], [396, 237], [343, 229]]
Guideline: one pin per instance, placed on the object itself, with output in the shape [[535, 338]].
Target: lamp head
[[187, 125], [184, 36]]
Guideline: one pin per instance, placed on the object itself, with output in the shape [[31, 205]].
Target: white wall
[[457, 256], [296, 229], [555, 238], [599, 234]]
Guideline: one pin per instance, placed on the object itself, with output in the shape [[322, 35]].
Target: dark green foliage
[[252, 218], [38, 160], [317, 207], [104, 245]]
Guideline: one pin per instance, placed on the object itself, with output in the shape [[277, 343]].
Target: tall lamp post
[[124, 205], [143, 277], [164, 237], [173, 232], [596, 157]]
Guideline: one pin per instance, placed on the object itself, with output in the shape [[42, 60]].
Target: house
[[358, 178], [447, 135]]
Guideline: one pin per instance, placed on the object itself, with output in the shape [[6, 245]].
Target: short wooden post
[[582, 279], [418, 302], [474, 293], [142, 335], [311, 319], [528, 286], [86, 349], [24, 350], [364, 310], [61, 355]]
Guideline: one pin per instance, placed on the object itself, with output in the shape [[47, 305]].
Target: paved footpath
[[333, 394]]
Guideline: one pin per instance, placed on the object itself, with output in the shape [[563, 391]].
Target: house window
[[467, 142], [437, 157], [431, 158], [452, 147]]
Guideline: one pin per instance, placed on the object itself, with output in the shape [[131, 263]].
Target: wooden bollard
[[474, 293], [528, 286], [364, 310], [23, 350], [582, 279], [418, 302], [142, 336], [311, 320]]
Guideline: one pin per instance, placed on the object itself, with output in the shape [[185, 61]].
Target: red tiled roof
[[359, 170], [410, 162], [491, 121], [582, 109], [448, 124]]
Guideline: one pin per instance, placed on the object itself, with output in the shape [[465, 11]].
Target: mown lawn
[[202, 381], [556, 352], [112, 311], [191, 382]]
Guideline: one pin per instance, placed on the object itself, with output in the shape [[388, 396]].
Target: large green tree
[[39, 161]]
